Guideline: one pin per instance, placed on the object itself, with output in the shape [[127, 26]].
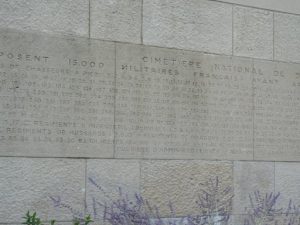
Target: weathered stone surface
[[67, 17], [237, 220], [116, 20], [281, 219], [287, 181], [252, 32], [276, 111], [196, 25], [181, 182], [57, 96], [105, 179], [186, 220], [248, 178], [291, 6], [28, 184], [178, 104], [287, 37]]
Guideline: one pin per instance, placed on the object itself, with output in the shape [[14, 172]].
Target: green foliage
[[85, 221], [34, 220]]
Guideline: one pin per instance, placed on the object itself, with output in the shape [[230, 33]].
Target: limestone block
[[252, 32], [38, 185], [287, 37], [287, 180], [67, 17], [106, 179], [290, 6], [196, 25], [116, 20], [248, 178], [57, 96], [276, 111], [181, 182], [182, 105]]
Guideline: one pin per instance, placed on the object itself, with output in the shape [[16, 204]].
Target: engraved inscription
[[176, 104], [56, 96], [277, 111]]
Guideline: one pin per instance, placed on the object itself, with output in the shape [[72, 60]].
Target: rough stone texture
[[217, 220], [276, 111], [237, 220], [287, 181], [28, 184], [252, 32], [57, 96], [196, 25], [182, 105], [116, 20], [180, 182], [104, 178], [281, 219], [287, 37], [291, 6], [250, 177], [55, 16]]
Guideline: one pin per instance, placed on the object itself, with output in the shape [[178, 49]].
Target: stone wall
[[163, 98]]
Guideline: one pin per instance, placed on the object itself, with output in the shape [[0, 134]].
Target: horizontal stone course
[[153, 102], [209, 26], [28, 184]]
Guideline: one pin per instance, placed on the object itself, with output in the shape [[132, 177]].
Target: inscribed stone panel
[[57, 96], [179, 104], [277, 111]]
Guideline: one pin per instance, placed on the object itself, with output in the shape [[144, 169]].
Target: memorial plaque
[[277, 111], [57, 96], [180, 104]]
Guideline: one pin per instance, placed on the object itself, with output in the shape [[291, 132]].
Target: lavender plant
[[264, 211], [124, 211], [214, 203], [292, 214]]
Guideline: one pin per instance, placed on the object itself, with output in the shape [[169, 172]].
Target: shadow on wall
[[214, 204]]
